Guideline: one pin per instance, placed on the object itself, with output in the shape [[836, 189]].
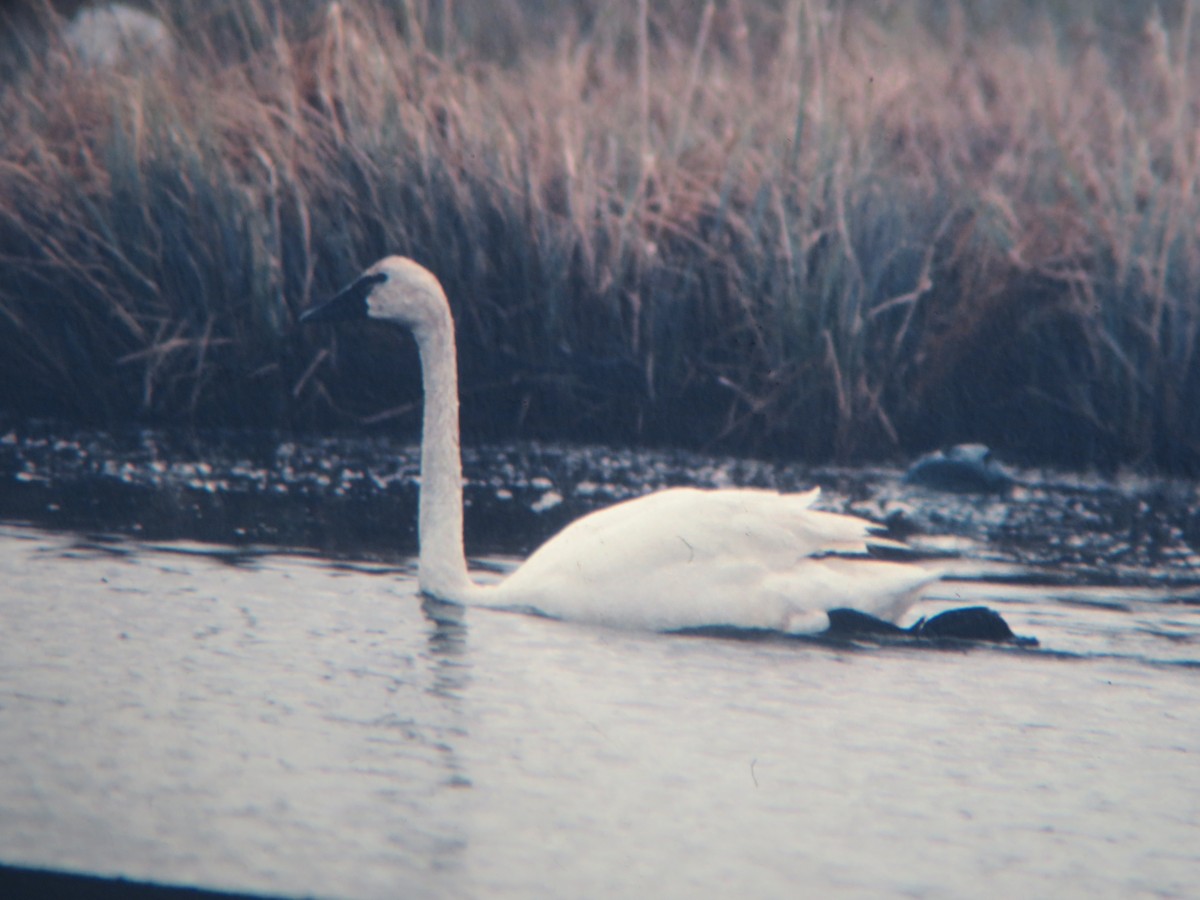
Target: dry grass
[[800, 228]]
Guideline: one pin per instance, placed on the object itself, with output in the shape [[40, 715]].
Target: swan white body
[[676, 559]]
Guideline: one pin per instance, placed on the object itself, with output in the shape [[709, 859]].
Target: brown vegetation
[[809, 229]]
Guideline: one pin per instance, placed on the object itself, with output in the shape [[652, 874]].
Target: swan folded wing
[[686, 557]]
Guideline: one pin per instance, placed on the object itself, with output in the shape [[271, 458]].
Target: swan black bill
[[351, 303]]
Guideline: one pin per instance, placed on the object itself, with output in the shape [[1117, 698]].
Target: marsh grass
[[809, 230]]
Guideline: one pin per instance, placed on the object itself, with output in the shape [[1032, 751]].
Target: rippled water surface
[[251, 717]]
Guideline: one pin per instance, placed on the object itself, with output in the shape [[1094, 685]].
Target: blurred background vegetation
[[791, 228]]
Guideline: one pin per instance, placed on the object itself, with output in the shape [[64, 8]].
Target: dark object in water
[[852, 623], [971, 623], [975, 624], [965, 469]]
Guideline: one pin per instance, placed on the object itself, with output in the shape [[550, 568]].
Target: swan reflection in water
[[680, 559]]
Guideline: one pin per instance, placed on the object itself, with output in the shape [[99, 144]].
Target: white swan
[[677, 559]]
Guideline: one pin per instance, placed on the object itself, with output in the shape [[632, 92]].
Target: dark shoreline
[[355, 498], [32, 883]]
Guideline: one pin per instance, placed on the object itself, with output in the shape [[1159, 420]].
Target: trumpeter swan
[[681, 558]]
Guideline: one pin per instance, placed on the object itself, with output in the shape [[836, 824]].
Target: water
[[245, 716]]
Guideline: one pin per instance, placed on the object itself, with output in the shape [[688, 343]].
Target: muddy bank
[[356, 497]]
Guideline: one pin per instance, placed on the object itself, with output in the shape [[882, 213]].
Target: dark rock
[[966, 468]]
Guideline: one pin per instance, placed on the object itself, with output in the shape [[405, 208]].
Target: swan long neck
[[443, 565]]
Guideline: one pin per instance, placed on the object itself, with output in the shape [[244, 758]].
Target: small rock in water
[[965, 468], [547, 501], [972, 623]]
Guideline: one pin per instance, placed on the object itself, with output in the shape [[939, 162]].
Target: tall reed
[[800, 228]]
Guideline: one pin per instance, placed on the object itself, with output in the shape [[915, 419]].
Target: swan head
[[395, 289]]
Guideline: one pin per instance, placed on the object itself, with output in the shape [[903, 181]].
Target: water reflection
[[294, 726], [449, 670]]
